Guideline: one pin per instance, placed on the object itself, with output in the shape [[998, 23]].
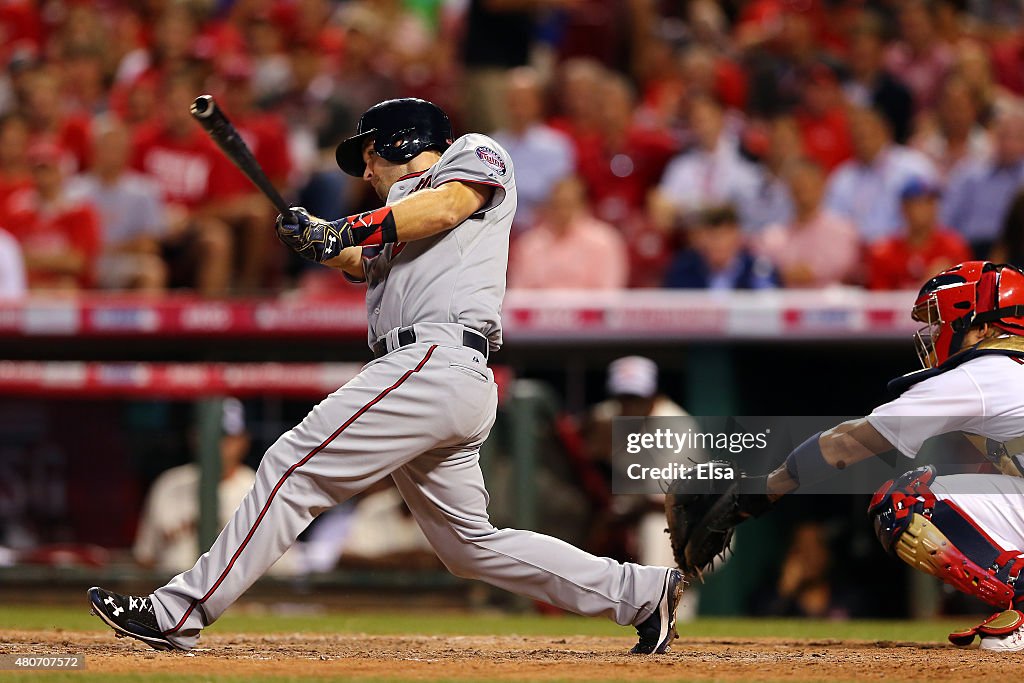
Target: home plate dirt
[[519, 658]]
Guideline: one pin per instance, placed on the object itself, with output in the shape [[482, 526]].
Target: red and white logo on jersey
[[492, 159]]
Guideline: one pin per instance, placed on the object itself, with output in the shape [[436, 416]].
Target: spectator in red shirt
[[821, 117], [626, 160], [176, 153], [234, 199], [14, 168], [48, 122], [925, 246], [60, 238]]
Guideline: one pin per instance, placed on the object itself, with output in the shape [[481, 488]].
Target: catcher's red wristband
[[371, 228]]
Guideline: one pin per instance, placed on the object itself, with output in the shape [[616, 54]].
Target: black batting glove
[[313, 238]]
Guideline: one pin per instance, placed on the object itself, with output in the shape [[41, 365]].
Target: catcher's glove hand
[[703, 513]]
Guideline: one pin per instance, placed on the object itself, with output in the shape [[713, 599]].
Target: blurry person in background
[[175, 152], [167, 539], [132, 214], [817, 248], [979, 193], [710, 173], [568, 248], [975, 67], [631, 526], [578, 84], [15, 173], [925, 246], [773, 147], [542, 155], [1010, 247], [12, 268], [59, 235], [718, 256], [234, 200], [625, 159], [821, 117], [952, 135], [866, 189], [805, 587], [920, 58], [49, 122], [870, 85]]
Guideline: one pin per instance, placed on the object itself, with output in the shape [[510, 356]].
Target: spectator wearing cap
[[920, 58], [59, 235], [542, 155], [979, 193], [12, 268], [872, 86], [568, 248], [925, 247], [628, 525], [711, 173], [719, 257], [132, 214], [866, 189], [167, 539], [818, 248]]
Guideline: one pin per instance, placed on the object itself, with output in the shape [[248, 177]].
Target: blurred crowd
[[695, 144]]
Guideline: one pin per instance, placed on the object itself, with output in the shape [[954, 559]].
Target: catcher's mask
[[946, 305], [400, 130], [1001, 298]]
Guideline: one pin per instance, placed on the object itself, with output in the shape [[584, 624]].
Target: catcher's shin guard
[[937, 537]]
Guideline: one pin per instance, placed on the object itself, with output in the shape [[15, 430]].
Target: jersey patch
[[492, 159]]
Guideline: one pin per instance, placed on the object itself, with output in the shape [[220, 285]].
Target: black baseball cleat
[[129, 615], [659, 630]]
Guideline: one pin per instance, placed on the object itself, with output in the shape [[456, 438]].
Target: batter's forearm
[[349, 261]]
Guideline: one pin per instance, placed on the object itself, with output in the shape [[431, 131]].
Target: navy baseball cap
[[919, 187]]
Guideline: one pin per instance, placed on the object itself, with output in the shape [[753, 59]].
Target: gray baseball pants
[[419, 414]]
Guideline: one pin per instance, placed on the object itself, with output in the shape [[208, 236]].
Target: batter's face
[[379, 172]]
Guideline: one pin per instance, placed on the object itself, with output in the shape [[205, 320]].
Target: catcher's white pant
[[994, 502], [418, 414]]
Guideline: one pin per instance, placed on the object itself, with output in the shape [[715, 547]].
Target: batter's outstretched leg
[[446, 495]]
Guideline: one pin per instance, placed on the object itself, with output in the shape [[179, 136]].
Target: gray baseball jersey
[[417, 414], [457, 276]]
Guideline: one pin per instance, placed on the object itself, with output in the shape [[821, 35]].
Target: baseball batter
[[434, 260], [967, 529]]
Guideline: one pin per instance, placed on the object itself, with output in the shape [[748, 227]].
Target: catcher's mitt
[[702, 515]]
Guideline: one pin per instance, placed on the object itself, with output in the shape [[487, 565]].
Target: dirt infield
[[517, 658]]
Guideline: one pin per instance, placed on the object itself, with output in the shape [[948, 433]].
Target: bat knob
[[203, 106]]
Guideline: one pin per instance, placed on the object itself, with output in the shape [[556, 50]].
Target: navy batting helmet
[[400, 129]]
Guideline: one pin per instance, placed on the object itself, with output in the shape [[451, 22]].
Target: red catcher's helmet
[[946, 305], [1001, 298]]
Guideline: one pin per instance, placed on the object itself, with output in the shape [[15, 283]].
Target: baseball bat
[[206, 112]]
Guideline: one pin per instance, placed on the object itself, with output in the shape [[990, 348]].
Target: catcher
[[972, 349]]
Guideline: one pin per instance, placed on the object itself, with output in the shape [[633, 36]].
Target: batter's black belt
[[407, 335]]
